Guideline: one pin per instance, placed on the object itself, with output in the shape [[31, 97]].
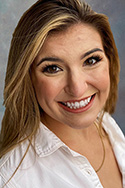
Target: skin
[[75, 76], [74, 80]]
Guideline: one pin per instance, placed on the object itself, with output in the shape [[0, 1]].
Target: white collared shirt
[[52, 164]]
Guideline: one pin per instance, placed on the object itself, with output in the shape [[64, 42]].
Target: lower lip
[[79, 110]]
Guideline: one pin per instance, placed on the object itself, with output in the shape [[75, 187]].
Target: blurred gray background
[[10, 13]]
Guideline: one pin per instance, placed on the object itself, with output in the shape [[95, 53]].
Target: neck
[[70, 136]]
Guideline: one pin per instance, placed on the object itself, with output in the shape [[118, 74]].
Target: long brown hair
[[22, 114]]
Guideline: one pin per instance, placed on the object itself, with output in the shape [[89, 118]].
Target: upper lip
[[70, 101]]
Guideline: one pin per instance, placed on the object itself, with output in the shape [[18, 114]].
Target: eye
[[92, 61], [51, 69]]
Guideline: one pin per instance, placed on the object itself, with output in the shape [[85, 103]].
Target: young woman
[[60, 89]]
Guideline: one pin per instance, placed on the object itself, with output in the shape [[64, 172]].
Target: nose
[[76, 84]]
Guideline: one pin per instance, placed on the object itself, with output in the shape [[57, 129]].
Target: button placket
[[84, 166], [89, 172], [86, 169]]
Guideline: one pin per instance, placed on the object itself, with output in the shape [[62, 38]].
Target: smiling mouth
[[78, 104]]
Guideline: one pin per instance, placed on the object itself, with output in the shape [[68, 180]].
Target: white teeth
[[88, 99], [77, 105], [68, 104], [86, 102], [82, 103]]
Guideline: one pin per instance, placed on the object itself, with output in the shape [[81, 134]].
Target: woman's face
[[71, 77]]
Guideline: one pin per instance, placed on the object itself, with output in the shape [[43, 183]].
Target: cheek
[[102, 80], [104, 83], [46, 89]]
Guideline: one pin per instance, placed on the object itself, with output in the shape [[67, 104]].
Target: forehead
[[80, 31], [79, 37]]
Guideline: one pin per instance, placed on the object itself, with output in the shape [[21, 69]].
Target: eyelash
[[47, 68], [56, 68], [96, 58]]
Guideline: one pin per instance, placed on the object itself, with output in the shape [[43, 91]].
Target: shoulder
[[117, 140], [12, 160], [14, 157], [112, 128]]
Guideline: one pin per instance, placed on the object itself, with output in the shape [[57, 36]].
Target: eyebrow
[[55, 59], [90, 52]]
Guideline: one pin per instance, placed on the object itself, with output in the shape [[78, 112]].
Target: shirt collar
[[46, 142], [115, 134], [117, 140]]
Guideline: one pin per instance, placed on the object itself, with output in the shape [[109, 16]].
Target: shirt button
[[89, 171]]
